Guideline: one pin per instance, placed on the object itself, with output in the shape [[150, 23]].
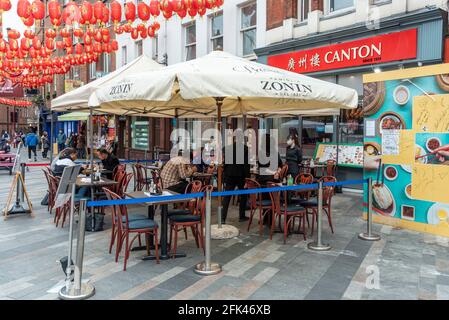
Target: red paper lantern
[[50, 33], [78, 33], [88, 48], [13, 34], [98, 36], [29, 22], [65, 32], [86, 11], [5, 5], [29, 34], [144, 33], [60, 45], [50, 44], [155, 8], [78, 48], [151, 32], [54, 11], [114, 45], [23, 9], [156, 26], [98, 11], [192, 12], [116, 12], [38, 10], [130, 11], [118, 29], [105, 15], [134, 34], [25, 44], [71, 13], [143, 11]]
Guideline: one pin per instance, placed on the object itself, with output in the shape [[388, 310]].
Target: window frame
[[243, 30], [301, 10], [192, 44], [124, 53], [93, 70], [139, 43], [331, 12], [211, 30]]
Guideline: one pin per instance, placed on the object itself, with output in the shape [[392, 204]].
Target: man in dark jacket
[[109, 161], [236, 169]]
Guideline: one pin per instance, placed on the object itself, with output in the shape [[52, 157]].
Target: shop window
[[106, 59], [190, 41], [248, 28], [139, 133], [216, 36], [335, 5], [304, 9], [155, 48], [93, 70]]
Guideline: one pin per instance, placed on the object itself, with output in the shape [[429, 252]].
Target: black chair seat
[[185, 218], [142, 224], [134, 217], [177, 212], [264, 203], [309, 203], [293, 208]]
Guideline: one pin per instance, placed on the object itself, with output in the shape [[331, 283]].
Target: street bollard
[[79, 290], [318, 245], [369, 236], [207, 267]]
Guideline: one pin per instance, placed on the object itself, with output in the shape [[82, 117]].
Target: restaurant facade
[[342, 56]]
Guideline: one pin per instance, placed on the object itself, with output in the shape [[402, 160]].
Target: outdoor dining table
[[87, 182], [315, 168], [7, 161], [164, 220]]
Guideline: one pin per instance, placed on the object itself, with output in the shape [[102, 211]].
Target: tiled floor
[[403, 265]]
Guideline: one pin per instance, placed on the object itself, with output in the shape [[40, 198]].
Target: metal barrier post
[[207, 267], [22, 189], [79, 290], [369, 236], [71, 223], [318, 245]]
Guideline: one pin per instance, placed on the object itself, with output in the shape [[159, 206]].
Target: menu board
[[349, 155]]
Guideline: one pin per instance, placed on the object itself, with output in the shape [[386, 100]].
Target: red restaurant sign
[[380, 49]]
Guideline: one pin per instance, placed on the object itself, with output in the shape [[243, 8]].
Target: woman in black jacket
[[293, 156]]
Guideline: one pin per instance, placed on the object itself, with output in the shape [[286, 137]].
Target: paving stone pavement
[[403, 265]]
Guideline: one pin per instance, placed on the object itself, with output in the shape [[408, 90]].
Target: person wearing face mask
[[293, 155]]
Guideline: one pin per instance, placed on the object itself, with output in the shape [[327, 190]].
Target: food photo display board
[[408, 156], [349, 155]]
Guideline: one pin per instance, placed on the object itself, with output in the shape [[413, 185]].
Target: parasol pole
[[91, 142], [219, 103]]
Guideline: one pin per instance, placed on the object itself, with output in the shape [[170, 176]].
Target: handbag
[[98, 222], [44, 201]]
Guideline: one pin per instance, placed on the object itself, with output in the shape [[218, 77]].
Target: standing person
[[81, 146], [61, 138], [45, 144], [293, 155], [234, 174], [31, 141]]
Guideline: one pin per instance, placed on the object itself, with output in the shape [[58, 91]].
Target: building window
[[216, 36], [335, 5], [155, 48], [190, 41], [106, 63], [139, 133], [304, 9], [93, 70], [248, 28], [139, 48], [124, 56]]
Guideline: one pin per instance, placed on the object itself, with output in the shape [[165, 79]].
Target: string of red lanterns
[[32, 63], [15, 103]]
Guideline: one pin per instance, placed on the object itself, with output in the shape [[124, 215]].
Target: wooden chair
[[127, 226], [119, 168], [195, 221], [288, 212], [283, 173], [302, 179], [256, 203], [50, 197]]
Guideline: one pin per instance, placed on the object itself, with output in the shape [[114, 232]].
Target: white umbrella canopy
[[191, 89], [78, 98]]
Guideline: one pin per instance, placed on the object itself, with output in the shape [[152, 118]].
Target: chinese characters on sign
[[380, 49]]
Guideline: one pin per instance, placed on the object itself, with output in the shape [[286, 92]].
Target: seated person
[[108, 160], [175, 172], [67, 159]]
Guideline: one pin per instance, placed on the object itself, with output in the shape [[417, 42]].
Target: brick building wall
[[280, 10]]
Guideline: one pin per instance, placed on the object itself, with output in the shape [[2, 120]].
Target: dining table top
[[147, 194], [86, 182]]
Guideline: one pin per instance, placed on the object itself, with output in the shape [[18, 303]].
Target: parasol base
[[225, 232], [369, 237]]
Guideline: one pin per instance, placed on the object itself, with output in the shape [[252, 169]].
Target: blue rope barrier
[[180, 197]]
